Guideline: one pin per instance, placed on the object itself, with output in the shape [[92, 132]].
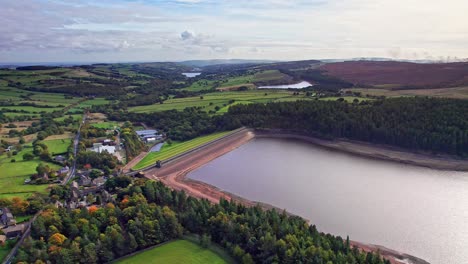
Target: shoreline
[[375, 151], [174, 174]]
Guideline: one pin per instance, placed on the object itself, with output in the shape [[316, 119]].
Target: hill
[[397, 75]]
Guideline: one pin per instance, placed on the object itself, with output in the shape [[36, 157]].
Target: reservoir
[[415, 210], [191, 74], [300, 85]]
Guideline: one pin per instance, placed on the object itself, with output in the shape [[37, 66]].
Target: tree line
[[427, 124]]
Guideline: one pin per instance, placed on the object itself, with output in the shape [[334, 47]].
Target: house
[[60, 159], [63, 170], [84, 180], [6, 218], [14, 231], [99, 181], [2, 239]]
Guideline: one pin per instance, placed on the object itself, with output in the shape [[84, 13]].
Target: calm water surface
[[300, 85], [415, 210], [191, 74]]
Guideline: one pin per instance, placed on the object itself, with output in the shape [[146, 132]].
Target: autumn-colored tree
[[57, 239], [92, 209], [19, 206]]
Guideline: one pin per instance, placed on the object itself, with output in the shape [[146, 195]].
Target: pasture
[[180, 251], [453, 92], [57, 146], [176, 148], [210, 101], [13, 174]]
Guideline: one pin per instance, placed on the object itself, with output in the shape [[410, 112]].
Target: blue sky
[[161, 30]]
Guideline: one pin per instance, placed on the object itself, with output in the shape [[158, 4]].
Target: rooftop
[[146, 132]]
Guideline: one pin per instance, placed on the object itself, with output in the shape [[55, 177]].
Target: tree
[[57, 239], [28, 156]]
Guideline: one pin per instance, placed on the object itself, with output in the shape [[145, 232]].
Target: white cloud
[[268, 29]]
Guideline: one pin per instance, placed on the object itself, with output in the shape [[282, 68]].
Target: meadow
[[57, 146], [179, 251], [176, 148], [210, 101], [13, 174]]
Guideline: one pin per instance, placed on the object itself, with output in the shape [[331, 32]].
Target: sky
[[174, 30]]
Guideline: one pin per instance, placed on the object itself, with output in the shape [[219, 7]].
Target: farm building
[[149, 135], [14, 231], [6, 217]]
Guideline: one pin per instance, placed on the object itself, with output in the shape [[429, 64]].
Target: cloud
[[266, 29], [187, 35]]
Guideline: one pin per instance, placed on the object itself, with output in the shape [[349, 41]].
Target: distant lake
[[415, 210], [300, 85], [191, 74]]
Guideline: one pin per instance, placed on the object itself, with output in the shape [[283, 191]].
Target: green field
[[180, 251], [58, 146], [106, 125], [168, 151], [13, 174], [220, 99]]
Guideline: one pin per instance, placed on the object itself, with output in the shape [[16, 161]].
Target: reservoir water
[[191, 74], [300, 85], [419, 211]]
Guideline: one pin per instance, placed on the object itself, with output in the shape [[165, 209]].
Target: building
[[63, 170], [150, 132], [99, 147], [6, 218], [99, 181], [2, 239], [60, 159], [14, 231]]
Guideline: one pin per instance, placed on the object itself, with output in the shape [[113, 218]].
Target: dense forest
[[429, 124], [148, 213]]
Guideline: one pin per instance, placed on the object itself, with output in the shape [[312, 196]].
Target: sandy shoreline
[[174, 173]]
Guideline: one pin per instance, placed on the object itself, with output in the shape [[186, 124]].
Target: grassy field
[[455, 92], [220, 99], [106, 125], [180, 251], [168, 151], [13, 174], [58, 146]]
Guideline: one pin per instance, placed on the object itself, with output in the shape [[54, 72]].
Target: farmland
[[13, 174], [455, 92], [212, 101], [171, 150], [58, 146], [180, 251]]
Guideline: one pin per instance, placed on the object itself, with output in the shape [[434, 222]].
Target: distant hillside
[[393, 74], [203, 63]]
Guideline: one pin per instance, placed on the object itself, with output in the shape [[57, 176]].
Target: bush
[[13, 160], [28, 156]]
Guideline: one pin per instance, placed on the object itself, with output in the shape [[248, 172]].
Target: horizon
[[125, 31]]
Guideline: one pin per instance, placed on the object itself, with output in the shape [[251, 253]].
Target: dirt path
[[134, 162]]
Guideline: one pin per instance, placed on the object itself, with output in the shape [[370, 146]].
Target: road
[[9, 258], [76, 141]]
